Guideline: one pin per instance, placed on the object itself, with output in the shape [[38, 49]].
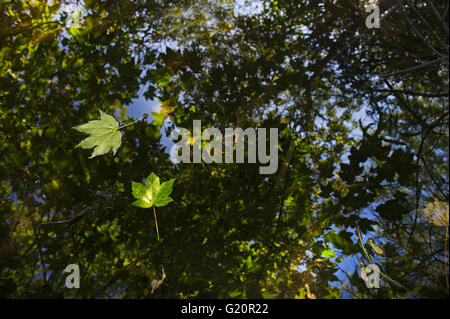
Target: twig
[[409, 92], [414, 68], [68, 221], [388, 140], [436, 13], [417, 32], [40, 255], [429, 27], [402, 103], [419, 155]]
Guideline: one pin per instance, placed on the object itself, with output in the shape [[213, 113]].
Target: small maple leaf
[[104, 135], [152, 193]]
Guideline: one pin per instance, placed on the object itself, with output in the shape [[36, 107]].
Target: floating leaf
[[157, 283], [104, 135], [152, 193], [375, 247]]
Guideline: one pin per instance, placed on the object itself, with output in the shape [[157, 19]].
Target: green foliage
[[160, 76], [152, 193], [343, 241], [158, 119], [392, 210], [328, 253], [104, 135], [308, 69]]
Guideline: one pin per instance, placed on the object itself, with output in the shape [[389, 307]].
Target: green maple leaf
[[104, 135], [152, 193]]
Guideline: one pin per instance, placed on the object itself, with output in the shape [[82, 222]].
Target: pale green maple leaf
[[104, 135], [152, 193]]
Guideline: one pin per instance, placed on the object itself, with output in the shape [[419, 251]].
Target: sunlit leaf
[[152, 193], [328, 253], [104, 135]]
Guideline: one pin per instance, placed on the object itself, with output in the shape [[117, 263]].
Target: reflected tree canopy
[[362, 119]]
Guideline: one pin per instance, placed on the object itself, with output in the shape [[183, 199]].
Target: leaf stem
[[445, 251], [156, 222], [125, 125]]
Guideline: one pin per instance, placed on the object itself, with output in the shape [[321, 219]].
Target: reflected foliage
[[362, 116]]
